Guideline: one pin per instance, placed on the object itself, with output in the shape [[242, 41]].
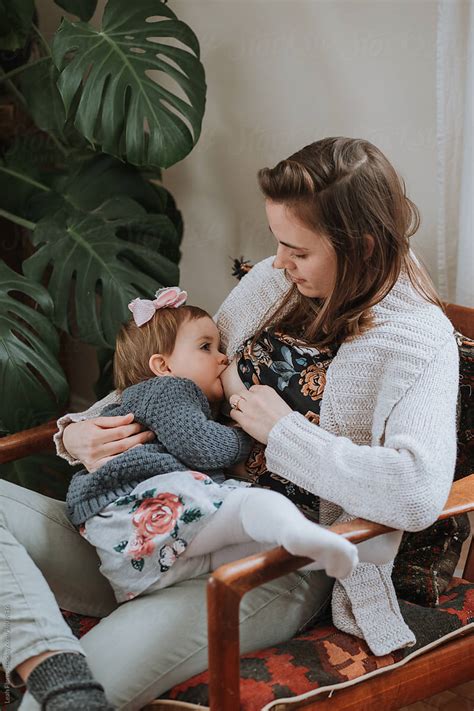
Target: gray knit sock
[[64, 682]]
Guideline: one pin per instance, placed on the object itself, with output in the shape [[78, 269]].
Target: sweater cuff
[[284, 442], [245, 445], [94, 411], [62, 423]]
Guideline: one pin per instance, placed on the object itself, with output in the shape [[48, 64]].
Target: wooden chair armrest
[[230, 582], [36, 439]]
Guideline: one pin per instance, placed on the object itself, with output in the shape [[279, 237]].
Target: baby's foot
[[330, 551]]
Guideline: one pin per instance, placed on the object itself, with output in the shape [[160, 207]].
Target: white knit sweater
[[385, 448]]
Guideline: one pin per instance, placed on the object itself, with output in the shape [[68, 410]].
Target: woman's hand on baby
[[258, 410], [94, 442]]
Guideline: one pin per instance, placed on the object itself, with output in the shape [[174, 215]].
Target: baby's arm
[[183, 428]]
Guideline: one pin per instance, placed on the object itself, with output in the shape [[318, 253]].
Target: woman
[[343, 279]]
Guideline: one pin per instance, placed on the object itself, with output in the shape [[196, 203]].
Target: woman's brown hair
[[346, 189], [135, 345]]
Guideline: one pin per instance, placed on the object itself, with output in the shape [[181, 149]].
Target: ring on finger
[[236, 402]]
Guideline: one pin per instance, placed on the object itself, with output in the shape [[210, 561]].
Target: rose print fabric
[[298, 374], [139, 537]]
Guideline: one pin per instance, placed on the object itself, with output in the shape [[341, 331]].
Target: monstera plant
[[108, 107]]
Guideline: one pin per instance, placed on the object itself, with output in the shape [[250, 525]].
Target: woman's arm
[[404, 483], [71, 417], [85, 438]]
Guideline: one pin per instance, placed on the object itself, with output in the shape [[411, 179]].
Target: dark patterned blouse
[[298, 374]]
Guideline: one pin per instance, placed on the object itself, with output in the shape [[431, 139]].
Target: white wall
[[281, 74]]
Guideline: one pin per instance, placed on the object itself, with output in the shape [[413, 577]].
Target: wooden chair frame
[[432, 672]]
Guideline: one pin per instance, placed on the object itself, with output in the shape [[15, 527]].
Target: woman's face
[[307, 257]]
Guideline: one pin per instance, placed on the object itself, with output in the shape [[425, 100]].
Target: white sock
[[268, 515], [270, 518]]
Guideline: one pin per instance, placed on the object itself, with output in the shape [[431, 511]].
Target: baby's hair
[[136, 344]]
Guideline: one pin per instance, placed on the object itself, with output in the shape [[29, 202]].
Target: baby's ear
[[159, 365]]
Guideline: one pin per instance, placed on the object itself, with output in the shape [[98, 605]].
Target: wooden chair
[[432, 672], [448, 665]]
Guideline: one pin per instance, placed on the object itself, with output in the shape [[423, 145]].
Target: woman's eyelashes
[[299, 256]]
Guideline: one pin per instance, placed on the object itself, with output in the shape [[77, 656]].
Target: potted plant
[[108, 108]]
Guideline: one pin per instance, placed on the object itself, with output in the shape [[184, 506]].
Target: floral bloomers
[[139, 537]]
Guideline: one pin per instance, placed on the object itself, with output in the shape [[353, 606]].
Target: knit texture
[[385, 448], [64, 682], [178, 412]]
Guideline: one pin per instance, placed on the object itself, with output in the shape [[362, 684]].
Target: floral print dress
[[298, 374]]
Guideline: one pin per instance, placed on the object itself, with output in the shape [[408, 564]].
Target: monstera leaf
[[82, 8], [32, 383], [20, 177], [88, 266], [103, 177], [122, 74], [45, 105], [38, 85], [15, 23]]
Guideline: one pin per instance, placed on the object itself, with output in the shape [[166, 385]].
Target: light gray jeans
[[141, 648]]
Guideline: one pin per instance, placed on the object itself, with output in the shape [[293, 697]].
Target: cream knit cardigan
[[385, 448]]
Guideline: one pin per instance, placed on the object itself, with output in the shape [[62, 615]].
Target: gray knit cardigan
[[178, 412]]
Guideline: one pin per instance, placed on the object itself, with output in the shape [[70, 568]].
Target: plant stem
[[12, 88], [25, 178], [17, 220], [19, 70], [58, 144], [43, 40]]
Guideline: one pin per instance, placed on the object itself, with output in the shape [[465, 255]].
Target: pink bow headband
[[144, 309]]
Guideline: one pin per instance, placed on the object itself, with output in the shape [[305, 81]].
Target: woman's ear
[[369, 245], [158, 365]]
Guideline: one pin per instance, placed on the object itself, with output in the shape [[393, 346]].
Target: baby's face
[[196, 356]]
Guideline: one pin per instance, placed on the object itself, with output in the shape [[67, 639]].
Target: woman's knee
[[7, 489]]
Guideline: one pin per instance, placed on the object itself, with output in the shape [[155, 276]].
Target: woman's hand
[[94, 442], [257, 410]]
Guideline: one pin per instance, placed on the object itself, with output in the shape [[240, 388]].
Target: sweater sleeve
[[249, 303], [187, 433], [94, 410], [404, 483]]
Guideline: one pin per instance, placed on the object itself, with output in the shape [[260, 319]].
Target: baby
[[163, 511]]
